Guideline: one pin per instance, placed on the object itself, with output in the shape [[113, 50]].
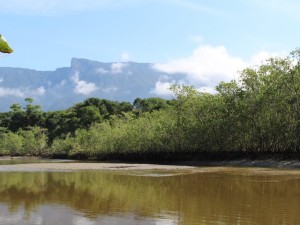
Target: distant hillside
[[62, 88]]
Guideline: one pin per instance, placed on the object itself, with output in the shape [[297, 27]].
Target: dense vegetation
[[259, 113]]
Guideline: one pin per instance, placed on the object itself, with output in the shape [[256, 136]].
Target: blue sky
[[206, 39]]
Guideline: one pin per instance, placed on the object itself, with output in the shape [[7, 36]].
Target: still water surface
[[219, 197]]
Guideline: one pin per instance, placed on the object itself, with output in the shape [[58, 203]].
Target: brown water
[[220, 197]]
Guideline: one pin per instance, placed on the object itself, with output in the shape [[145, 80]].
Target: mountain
[[62, 88]]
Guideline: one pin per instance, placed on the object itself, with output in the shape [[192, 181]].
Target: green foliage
[[34, 141], [62, 147], [258, 113], [11, 144], [4, 47], [18, 118], [24, 142], [150, 104]]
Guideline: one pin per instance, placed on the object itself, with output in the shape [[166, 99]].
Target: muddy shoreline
[[29, 164], [264, 163]]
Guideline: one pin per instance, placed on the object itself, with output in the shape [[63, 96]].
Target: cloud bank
[[206, 67]]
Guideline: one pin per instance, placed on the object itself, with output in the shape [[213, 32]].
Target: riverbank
[[39, 164], [267, 163], [74, 166]]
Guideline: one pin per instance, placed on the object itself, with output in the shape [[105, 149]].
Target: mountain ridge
[[66, 86]]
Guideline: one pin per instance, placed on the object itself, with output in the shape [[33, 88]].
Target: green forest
[[259, 113]]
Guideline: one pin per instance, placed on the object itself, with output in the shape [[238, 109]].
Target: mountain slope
[[62, 88]]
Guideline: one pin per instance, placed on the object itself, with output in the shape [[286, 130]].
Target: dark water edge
[[225, 158], [283, 160], [179, 156]]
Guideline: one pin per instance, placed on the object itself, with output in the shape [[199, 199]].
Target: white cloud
[[125, 56], [117, 67], [101, 71], [162, 88], [207, 65], [21, 92], [11, 92], [81, 86], [206, 68], [260, 57]]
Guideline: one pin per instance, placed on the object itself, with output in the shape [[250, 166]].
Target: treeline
[[258, 113]]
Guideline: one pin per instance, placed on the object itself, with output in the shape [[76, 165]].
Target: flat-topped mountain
[[62, 88]]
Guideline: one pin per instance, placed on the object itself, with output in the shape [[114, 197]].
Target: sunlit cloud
[[207, 67]]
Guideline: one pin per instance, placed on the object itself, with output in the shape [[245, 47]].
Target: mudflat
[[249, 166], [71, 166]]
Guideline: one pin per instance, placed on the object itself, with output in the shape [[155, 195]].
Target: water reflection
[[93, 197], [57, 214]]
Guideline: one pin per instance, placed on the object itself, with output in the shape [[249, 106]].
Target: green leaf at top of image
[[4, 47]]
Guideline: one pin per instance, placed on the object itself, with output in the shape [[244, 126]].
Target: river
[[203, 196]]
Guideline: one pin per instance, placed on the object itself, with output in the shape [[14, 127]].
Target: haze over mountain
[[62, 88]]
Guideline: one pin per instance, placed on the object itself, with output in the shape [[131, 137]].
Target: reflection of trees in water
[[193, 197]]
